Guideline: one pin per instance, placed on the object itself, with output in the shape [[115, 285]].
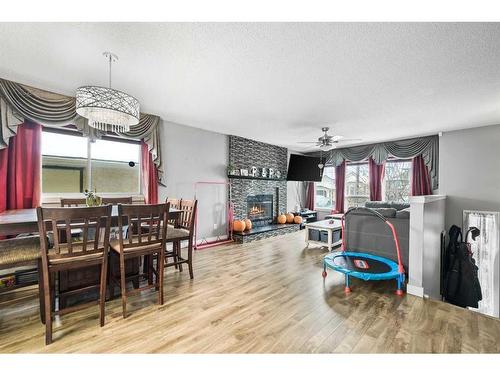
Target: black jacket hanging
[[461, 286]]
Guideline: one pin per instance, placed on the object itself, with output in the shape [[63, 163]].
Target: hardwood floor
[[263, 297]]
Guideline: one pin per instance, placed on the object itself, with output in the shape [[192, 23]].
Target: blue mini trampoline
[[366, 266]]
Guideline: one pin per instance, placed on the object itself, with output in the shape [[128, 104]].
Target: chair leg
[[41, 291], [178, 255], [160, 268], [102, 296], [111, 285], [148, 260], [190, 259], [123, 286], [48, 310], [174, 254]]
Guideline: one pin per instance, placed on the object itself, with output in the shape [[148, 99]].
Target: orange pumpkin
[[289, 218], [238, 225], [281, 219], [297, 219], [248, 224]]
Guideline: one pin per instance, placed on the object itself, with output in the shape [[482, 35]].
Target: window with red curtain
[[339, 188], [149, 176], [310, 196], [20, 166], [420, 178], [376, 176]]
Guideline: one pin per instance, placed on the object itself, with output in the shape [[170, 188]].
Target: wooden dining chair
[[73, 254], [174, 203], [141, 243], [183, 231], [117, 200], [73, 202]]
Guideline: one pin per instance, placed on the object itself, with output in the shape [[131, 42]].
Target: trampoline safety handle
[[396, 242]]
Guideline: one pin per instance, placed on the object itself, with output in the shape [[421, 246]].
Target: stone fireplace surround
[[245, 154]]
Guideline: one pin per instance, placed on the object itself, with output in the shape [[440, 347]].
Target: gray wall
[[191, 155], [469, 171]]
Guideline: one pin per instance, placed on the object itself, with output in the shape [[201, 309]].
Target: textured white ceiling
[[276, 82]]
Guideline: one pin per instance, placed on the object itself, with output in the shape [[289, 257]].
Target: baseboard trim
[[415, 290]]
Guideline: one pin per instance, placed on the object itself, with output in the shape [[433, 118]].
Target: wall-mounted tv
[[304, 168]]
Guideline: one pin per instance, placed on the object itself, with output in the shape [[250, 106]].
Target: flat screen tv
[[304, 168]]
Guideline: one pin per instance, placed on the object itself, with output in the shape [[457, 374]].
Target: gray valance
[[428, 147], [19, 102]]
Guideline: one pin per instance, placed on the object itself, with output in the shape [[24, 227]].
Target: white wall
[[469, 166], [191, 155]]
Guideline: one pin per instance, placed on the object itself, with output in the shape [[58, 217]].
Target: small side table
[[333, 232], [334, 216]]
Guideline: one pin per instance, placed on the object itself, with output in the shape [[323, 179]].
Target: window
[[114, 165], [396, 184], [64, 163], [357, 188], [325, 190]]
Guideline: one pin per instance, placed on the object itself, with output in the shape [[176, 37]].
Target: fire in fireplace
[[260, 209]]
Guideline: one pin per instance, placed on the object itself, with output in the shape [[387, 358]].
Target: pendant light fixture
[[321, 165], [105, 108]]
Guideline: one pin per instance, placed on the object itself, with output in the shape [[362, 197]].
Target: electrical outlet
[[215, 226]]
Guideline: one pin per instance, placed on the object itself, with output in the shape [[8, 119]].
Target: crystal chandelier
[[105, 108]]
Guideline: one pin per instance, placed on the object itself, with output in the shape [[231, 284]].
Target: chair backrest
[[135, 215], [117, 200], [60, 221], [73, 202], [174, 203], [188, 214]]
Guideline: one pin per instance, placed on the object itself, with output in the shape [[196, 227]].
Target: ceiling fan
[[327, 142]]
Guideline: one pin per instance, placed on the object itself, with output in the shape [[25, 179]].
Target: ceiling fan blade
[[308, 142], [350, 140]]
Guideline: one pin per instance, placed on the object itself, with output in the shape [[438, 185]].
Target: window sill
[[324, 209], [55, 198]]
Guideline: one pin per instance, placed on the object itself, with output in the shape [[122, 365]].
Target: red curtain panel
[[420, 179], [20, 168], [310, 193], [339, 188], [376, 173], [149, 176]]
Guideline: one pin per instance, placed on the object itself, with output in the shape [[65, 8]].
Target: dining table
[[25, 221], [14, 222]]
